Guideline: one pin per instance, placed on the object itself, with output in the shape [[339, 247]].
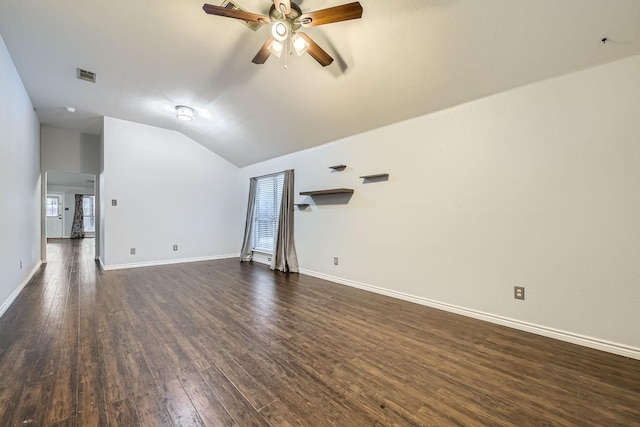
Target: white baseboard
[[598, 344], [5, 305], [167, 262]]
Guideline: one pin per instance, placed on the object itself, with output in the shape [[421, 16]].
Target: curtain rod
[[270, 174]]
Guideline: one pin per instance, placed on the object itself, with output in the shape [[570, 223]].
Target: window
[[53, 206], [89, 213], [265, 222]]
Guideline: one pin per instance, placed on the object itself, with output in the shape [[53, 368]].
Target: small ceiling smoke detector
[[70, 109], [184, 113]]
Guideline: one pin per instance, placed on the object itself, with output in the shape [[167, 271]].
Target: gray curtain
[[284, 255], [77, 228], [246, 254]]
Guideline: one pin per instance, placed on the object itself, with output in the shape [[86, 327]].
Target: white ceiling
[[403, 59], [67, 179]]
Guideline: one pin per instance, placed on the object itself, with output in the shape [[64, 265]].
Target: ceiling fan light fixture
[[299, 44], [184, 113], [280, 30], [276, 48]]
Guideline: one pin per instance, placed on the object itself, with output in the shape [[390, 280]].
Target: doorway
[[59, 199]]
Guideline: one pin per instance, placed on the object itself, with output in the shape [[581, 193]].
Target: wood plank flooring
[[222, 343]]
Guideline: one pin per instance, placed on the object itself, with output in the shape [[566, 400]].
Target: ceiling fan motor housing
[[290, 19]]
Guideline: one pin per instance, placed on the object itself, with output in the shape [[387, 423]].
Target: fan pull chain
[[286, 49]]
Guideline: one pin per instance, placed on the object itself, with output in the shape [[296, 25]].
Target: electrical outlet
[[335, 261], [114, 202], [20, 264], [133, 251], [518, 292], [175, 247]]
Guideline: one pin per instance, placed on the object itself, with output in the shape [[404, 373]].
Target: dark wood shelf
[[327, 192], [338, 167], [376, 176]]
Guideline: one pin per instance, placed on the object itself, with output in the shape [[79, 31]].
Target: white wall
[[66, 150], [19, 183], [100, 202], [536, 187], [170, 191]]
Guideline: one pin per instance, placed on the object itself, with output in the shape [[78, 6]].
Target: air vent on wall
[[228, 4], [85, 75]]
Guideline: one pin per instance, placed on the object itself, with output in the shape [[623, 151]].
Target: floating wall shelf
[[338, 167], [379, 176], [302, 205], [327, 192]]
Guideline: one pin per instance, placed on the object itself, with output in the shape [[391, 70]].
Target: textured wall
[[19, 182], [537, 187]]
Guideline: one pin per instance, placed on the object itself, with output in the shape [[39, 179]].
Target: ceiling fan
[[287, 18]]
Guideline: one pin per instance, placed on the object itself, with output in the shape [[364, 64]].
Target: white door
[[54, 215]]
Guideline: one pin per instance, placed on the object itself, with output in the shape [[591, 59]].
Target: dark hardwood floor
[[222, 343]]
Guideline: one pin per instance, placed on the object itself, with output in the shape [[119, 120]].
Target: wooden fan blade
[[236, 14], [283, 3], [332, 14], [264, 52], [316, 51]]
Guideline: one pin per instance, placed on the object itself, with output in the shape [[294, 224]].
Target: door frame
[[44, 183]]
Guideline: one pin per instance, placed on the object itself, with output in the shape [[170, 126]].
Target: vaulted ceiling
[[403, 59]]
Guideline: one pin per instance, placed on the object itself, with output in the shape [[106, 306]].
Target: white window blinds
[[265, 222], [89, 213]]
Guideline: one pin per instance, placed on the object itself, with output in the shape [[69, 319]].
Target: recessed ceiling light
[[184, 113], [70, 109]]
